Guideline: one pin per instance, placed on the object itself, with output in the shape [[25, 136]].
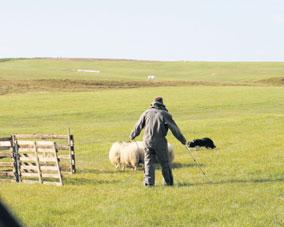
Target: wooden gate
[[64, 144], [38, 162]]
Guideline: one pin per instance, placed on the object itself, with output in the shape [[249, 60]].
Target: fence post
[[15, 147], [72, 152]]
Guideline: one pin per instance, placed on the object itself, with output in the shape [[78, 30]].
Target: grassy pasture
[[35, 69], [246, 122]]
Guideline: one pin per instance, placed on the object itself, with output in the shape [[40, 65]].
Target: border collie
[[204, 142]]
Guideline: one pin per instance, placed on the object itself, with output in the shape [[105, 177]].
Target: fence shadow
[[232, 181], [85, 181]]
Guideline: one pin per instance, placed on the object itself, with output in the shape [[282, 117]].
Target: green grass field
[[246, 123], [26, 69]]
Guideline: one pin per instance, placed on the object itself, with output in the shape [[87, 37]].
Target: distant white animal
[[131, 154], [88, 70], [151, 77]]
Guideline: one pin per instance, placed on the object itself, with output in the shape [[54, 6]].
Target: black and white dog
[[204, 142]]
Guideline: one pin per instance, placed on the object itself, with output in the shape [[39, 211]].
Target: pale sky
[[197, 30]]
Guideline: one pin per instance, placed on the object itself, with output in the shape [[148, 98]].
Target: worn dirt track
[[23, 86]]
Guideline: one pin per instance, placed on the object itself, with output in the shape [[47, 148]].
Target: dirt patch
[[22, 86], [275, 81]]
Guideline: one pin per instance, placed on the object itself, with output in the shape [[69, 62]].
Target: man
[[157, 120]]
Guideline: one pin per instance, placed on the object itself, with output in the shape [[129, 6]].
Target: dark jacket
[[156, 120]]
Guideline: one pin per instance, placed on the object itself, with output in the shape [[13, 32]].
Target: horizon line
[[132, 59]]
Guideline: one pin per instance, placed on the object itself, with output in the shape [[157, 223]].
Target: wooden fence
[[38, 162], [7, 170], [37, 158], [65, 147], [29, 161]]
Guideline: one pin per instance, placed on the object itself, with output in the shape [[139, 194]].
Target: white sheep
[[123, 154], [129, 156], [114, 153], [140, 148], [151, 77]]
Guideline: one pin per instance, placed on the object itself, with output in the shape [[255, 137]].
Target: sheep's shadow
[[97, 171], [232, 181]]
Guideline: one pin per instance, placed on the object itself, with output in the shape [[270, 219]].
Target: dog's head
[[191, 143]]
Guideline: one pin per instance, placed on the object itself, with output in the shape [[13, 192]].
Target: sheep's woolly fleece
[[130, 154]]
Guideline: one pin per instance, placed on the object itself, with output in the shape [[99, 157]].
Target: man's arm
[[174, 129], [138, 127]]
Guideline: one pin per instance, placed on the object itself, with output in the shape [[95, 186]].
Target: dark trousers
[[151, 157]]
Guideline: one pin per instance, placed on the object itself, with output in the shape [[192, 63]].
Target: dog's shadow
[[177, 165]]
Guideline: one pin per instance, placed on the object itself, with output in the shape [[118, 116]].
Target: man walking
[[157, 120]]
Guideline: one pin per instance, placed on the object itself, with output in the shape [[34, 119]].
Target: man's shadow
[[232, 181]]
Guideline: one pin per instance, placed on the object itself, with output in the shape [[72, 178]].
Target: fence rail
[[64, 144], [37, 157]]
